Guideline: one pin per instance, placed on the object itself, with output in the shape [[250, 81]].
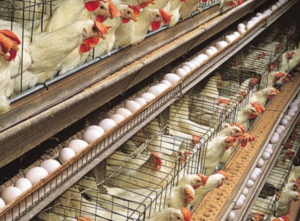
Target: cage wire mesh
[[278, 178]]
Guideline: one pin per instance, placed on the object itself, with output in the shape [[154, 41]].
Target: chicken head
[[145, 3], [130, 13], [229, 142], [282, 218], [222, 178], [156, 17], [258, 217], [8, 44], [255, 110], [106, 10], [189, 193], [272, 91]]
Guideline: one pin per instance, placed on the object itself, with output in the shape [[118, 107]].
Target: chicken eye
[[128, 12], [102, 7], [178, 218], [157, 16], [95, 28]]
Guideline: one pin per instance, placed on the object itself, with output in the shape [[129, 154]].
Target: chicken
[[290, 60], [296, 170], [171, 214], [124, 32], [281, 218], [50, 216], [181, 196], [250, 111], [263, 95], [129, 12], [175, 6], [231, 2], [284, 202], [195, 180], [48, 50], [214, 151], [147, 18], [278, 78], [214, 181], [9, 46], [157, 4], [262, 204], [188, 8], [139, 3]]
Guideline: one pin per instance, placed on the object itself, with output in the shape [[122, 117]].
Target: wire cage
[[278, 179]]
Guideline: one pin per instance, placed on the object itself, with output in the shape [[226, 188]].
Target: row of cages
[[281, 183], [141, 175], [36, 23]]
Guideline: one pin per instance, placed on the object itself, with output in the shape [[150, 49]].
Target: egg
[[266, 155], [107, 124], [249, 184], [66, 154], [249, 25], [36, 174], [209, 52], [268, 150], [231, 216], [276, 134], [172, 78], [190, 65], [126, 113], [163, 86], [10, 193], [168, 83], [50, 165], [274, 139], [257, 170], [242, 30], [237, 34], [186, 68], [255, 19], [78, 145], [291, 113], [239, 203], [203, 57], [229, 38], [197, 61], [2, 203], [242, 197], [181, 72], [279, 131], [118, 118], [270, 146], [245, 191], [91, 135], [241, 25], [96, 128], [148, 96], [258, 14], [284, 122], [274, 7], [221, 44], [141, 101], [253, 177], [260, 163], [23, 184], [282, 127], [234, 37], [134, 106], [287, 117], [214, 49], [156, 90]]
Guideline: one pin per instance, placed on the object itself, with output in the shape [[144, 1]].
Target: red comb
[[203, 178], [113, 10], [223, 173], [136, 9]]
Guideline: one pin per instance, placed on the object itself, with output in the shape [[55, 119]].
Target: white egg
[[2, 203], [172, 78], [10, 193], [148, 96], [168, 83], [163, 86], [107, 124], [134, 106], [221, 44], [194, 62], [231, 216], [186, 68], [190, 65], [234, 37], [279, 131], [260, 163], [249, 184], [209, 52], [241, 25], [291, 113], [66, 154], [239, 203], [276, 134], [229, 38], [257, 170], [266, 155], [203, 57], [284, 122], [270, 146], [237, 34], [249, 25], [96, 128], [253, 177], [268, 150], [242, 197], [118, 118], [91, 135], [282, 127], [23, 184], [51, 165], [141, 101], [197, 61], [245, 191], [274, 7], [126, 113], [242, 31], [255, 19], [258, 14], [36, 174], [214, 49], [78, 145], [274, 139], [181, 72]]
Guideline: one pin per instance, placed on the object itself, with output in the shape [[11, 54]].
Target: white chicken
[[181, 196], [175, 5], [281, 218], [147, 18], [214, 181], [284, 202], [9, 45], [250, 111], [296, 171], [278, 78], [214, 151], [195, 180], [188, 8], [171, 214], [165, 4], [140, 3], [48, 50], [263, 95], [290, 60]]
